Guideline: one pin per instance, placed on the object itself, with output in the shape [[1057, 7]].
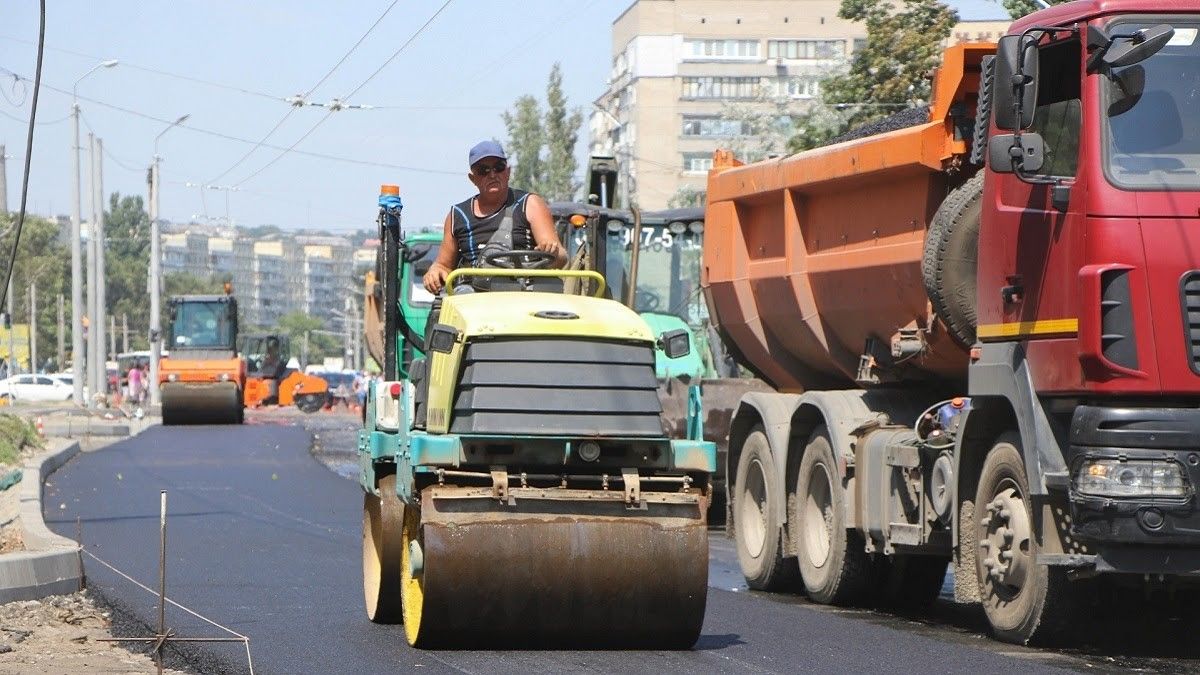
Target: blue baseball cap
[[485, 149]]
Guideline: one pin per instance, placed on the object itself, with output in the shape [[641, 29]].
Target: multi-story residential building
[[689, 76], [272, 276]]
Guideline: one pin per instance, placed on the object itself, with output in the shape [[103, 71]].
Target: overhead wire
[[300, 102], [26, 121], [37, 85], [156, 71], [352, 92], [238, 139]]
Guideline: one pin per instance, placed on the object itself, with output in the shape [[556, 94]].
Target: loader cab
[[202, 323], [266, 356], [667, 294]]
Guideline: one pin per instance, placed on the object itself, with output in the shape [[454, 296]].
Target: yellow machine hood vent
[[524, 313]]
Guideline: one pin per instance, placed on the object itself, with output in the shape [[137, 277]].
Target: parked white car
[[35, 388]]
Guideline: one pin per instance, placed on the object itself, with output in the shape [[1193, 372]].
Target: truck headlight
[[224, 377], [173, 377], [1131, 478]]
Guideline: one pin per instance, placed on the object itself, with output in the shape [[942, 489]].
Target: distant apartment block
[[691, 76], [272, 277]]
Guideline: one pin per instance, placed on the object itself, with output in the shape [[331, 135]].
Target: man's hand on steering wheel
[[521, 259]]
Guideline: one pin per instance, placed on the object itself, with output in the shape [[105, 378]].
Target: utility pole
[[13, 366], [33, 355], [155, 271], [112, 337], [101, 278], [93, 349], [62, 352], [79, 353], [125, 333], [3, 183], [78, 360]]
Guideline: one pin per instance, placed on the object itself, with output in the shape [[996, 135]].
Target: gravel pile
[[909, 117]]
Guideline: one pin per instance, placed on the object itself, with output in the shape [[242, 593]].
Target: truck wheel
[[1023, 601], [756, 528], [833, 561], [383, 519], [951, 255]]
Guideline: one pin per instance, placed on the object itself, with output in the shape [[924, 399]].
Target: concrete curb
[[51, 565]]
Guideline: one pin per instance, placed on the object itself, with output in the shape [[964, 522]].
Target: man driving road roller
[[495, 220]]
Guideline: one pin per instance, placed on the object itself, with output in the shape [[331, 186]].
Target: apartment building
[[273, 276], [689, 76], [682, 68]]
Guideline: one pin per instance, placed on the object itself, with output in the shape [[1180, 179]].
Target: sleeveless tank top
[[472, 233]]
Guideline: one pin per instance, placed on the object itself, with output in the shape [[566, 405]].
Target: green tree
[[1019, 8], [542, 147], [562, 133], [525, 139], [127, 265], [42, 259], [904, 44], [320, 342], [183, 283]]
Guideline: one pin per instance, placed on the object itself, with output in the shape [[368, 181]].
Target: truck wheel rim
[[753, 521], [1005, 547], [818, 516]]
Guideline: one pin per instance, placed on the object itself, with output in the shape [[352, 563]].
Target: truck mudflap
[[524, 566]]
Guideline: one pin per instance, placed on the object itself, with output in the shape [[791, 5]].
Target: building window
[[806, 49], [720, 49], [697, 162], [714, 126], [860, 44], [721, 87], [798, 87]]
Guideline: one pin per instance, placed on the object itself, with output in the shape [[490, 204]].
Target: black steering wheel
[[520, 259], [646, 301]]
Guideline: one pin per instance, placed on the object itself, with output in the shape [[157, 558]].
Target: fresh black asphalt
[[265, 540]]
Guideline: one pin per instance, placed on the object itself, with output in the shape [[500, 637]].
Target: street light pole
[[101, 323], [155, 271], [91, 270], [78, 367]]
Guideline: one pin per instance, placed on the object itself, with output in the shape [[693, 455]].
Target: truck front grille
[[1190, 294]]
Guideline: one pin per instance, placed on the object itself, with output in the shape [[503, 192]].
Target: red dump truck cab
[[983, 330]]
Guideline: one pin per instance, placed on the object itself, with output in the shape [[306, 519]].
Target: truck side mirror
[[675, 343], [1016, 82], [1009, 153]]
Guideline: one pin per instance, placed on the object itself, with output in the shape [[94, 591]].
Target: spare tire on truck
[[951, 252]]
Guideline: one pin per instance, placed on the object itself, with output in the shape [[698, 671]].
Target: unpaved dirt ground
[[58, 635]]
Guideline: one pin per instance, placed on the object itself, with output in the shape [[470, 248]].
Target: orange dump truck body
[[808, 257]]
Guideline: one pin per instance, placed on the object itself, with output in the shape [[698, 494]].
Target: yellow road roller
[[520, 490], [203, 381]]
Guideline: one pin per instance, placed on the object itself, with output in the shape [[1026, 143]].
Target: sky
[[457, 66]]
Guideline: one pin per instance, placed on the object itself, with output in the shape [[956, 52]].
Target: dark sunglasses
[[482, 170]]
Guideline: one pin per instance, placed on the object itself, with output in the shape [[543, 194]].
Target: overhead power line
[[237, 139], [299, 101], [354, 91], [125, 65]]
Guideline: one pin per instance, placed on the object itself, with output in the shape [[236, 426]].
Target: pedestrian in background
[[134, 378]]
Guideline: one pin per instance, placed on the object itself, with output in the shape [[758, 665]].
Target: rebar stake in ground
[[164, 634]]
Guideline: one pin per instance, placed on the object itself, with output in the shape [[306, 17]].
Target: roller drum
[[201, 403], [530, 572]]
